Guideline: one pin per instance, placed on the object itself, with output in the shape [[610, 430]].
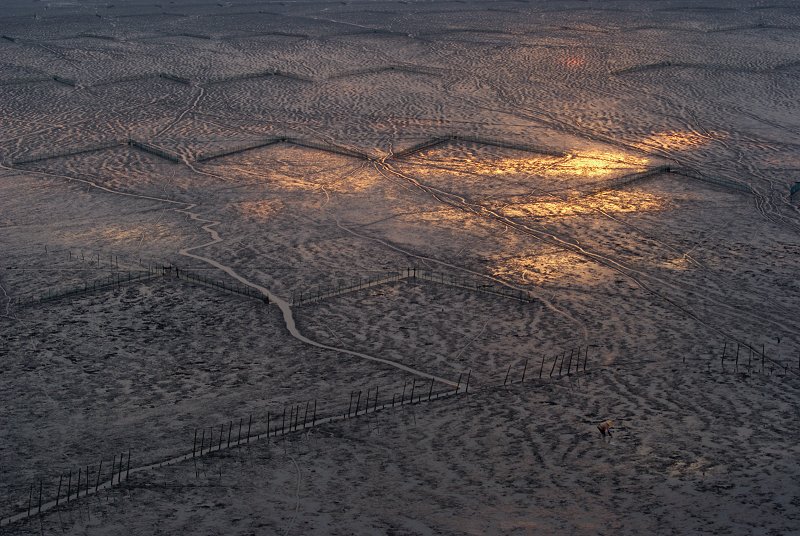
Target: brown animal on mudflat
[[605, 427]]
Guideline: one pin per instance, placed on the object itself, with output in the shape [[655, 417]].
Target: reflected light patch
[[448, 216], [114, 233], [261, 210], [597, 164], [674, 140], [612, 202], [547, 268], [574, 62], [591, 164]]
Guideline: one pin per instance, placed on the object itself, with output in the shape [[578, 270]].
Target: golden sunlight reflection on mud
[[299, 169], [118, 233], [591, 164], [674, 140], [448, 217], [612, 202], [261, 210], [549, 268]]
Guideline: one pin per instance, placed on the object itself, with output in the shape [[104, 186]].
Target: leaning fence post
[[507, 373], [230, 427], [554, 366], [314, 418], [239, 440], [430, 392], [724, 347], [99, 472], [458, 385], [541, 368], [58, 493], [524, 369], [128, 469], [202, 441], [249, 424], [466, 388]]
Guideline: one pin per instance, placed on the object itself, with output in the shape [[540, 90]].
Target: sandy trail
[[284, 305]]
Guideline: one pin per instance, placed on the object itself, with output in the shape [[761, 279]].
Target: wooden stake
[[430, 391], [724, 348], [505, 381], [541, 368], [524, 369], [99, 472], [554, 366], [569, 363]]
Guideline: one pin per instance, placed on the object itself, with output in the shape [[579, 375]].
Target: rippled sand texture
[[627, 165]]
